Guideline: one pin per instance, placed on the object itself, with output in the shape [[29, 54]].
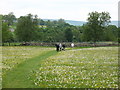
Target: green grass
[[0, 67], [80, 68], [14, 55], [42, 67], [12, 44], [19, 76]]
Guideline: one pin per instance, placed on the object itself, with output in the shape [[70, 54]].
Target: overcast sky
[[55, 9]]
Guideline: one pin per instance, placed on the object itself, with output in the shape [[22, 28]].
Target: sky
[[55, 9]]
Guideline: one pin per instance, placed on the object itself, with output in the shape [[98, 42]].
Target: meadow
[[12, 56], [43, 67]]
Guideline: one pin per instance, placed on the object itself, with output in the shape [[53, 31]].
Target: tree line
[[30, 28]]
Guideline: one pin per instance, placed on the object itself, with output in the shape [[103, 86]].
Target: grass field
[[42, 67], [0, 67], [13, 56]]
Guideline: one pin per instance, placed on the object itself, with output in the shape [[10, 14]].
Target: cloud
[[66, 9]]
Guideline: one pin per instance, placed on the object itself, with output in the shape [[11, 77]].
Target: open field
[[40, 67], [0, 67], [13, 56]]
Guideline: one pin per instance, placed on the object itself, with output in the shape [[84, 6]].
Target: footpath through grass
[[74, 68], [19, 76]]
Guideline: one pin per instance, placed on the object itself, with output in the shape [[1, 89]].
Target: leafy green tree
[[104, 19], [110, 33], [40, 35], [77, 33], [87, 33], [69, 34], [118, 34], [5, 32], [54, 31], [9, 19], [61, 22], [7, 35], [25, 30], [96, 23]]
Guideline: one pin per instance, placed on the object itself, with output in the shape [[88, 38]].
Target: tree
[[6, 33], [104, 19], [118, 34], [69, 34], [96, 23], [77, 33], [9, 19], [61, 22], [55, 31], [111, 33], [1, 29], [25, 30], [87, 33]]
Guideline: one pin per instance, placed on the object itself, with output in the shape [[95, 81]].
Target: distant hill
[[80, 23], [76, 23], [71, 22], [114, 23]]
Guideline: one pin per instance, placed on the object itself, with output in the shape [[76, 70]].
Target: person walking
[[63, 47], [60, 46], [57, 47], [72, 45]]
